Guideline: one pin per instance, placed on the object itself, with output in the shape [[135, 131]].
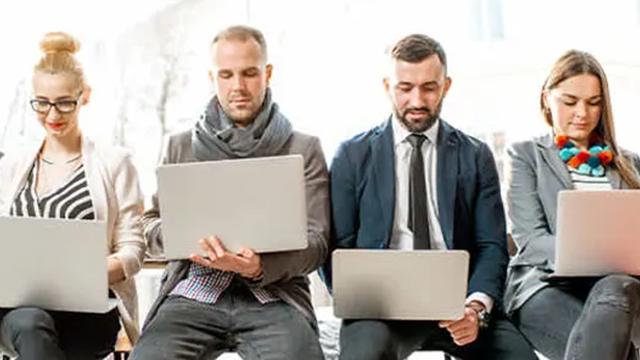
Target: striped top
[[588, 182], [205, 285], [71, 200]]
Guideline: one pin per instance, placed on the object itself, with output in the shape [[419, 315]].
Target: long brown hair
[[574, 63]]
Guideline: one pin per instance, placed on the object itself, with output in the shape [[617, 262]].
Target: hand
[[246, 262], [115, 269], [463, 331]]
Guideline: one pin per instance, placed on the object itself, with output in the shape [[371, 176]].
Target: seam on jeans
[[578, 345], [255, 351]]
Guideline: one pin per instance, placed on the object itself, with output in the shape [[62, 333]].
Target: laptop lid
[[400, 285], [598, 232], [54, 264], [258, 203]]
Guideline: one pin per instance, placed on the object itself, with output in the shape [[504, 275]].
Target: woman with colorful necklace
[[593, 319], [68, 176]]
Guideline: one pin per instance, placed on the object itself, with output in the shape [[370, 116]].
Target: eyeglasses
[[63, 106]]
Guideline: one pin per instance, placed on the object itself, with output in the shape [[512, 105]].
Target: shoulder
[[17, 156], [359, 146], [116, 159], [468, 144], [528, 148], [630, 155], [179, 138], [304, 140]]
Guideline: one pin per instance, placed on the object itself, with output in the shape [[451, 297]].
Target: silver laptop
[[598, 233], [400, 285], [54, 264], [258, 203]]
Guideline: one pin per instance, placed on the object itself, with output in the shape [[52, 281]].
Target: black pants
[[37, 334], [394, 340]]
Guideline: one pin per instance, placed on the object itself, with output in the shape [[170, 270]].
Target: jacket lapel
[[383, 174], [615, 179], [447, 180], [549, 152]]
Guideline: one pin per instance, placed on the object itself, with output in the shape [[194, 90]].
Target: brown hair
[[58, 56], [574, 63], [243, 33], [417, 47]]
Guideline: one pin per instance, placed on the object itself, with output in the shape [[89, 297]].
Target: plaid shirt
[[205, 285]]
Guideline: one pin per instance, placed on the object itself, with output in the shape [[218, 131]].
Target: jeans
[[583, 319], [37, 334], [394, 340], [187, 329]]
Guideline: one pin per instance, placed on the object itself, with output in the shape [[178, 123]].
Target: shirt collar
[[400, 134]]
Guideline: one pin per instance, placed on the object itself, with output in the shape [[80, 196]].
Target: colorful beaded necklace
[[590, 162]]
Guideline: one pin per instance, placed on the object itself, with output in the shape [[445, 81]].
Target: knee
[[618, 289], [363, 340], [28, 320]]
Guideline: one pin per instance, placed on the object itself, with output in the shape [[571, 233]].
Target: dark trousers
[[394, 340], [36, 334], [583, 319], [187, 329]]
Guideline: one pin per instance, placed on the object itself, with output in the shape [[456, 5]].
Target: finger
[[469, 323], [465, 340], [216, 244], [246, 253], [200, 260], [454, 326], [462, 333], [208, 249], [445, 323]]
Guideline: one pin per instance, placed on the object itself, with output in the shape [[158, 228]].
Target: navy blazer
[[469, 201]]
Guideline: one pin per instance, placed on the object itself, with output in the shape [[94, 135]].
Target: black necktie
[[418, 215]]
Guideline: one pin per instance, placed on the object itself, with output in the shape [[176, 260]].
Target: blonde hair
[[574, 63], [58, 57]]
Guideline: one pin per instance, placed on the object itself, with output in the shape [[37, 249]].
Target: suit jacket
[[469, 202], [285, 273], [116, 198], [535, 176]]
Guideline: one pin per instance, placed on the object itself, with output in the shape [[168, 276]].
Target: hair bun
[[54, 42]]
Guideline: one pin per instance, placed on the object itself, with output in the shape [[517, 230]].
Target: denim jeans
[[37, 334], [583, 319], [187, 329]]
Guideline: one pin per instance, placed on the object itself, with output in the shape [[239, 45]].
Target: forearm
[[115, 269]]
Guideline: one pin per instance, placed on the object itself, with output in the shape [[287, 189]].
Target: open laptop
[[400, 285], [258, 203], [54, 264], [598, 233]]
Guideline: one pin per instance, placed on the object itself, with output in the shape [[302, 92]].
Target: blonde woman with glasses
[[68, 176]]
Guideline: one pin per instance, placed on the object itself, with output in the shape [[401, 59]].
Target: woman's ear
[[86, 95]]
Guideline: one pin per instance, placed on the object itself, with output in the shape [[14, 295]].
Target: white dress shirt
[[402, 236]]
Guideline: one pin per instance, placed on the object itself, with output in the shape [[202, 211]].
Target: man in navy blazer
[[461, 208]]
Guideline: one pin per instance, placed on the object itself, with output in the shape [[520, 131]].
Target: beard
[[420, 125]]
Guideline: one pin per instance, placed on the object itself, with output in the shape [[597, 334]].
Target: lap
[[79, 335], [398, 339], [183, 329], [276, 331]]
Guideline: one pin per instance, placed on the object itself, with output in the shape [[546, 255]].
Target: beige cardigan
[[116, 197]]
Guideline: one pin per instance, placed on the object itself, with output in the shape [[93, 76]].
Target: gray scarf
[[216, 138]]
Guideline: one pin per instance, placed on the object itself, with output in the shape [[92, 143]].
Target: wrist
[[255, 274], [482, 314]]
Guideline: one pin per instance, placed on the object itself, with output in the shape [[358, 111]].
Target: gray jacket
[[535, 175], [285, 273]]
